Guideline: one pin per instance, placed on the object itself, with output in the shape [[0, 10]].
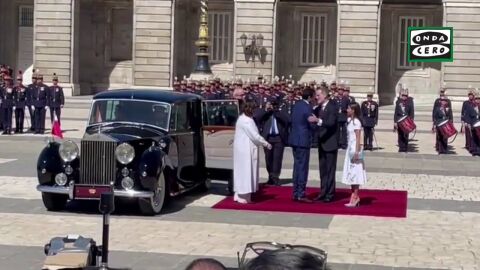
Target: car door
[[219, 118], [183, 138]]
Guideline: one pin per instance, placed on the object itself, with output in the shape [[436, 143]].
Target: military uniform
[[31, 88], [39, 102], [403, 108], [438, 101], [370, 120], [342, 105], [441, 113], [20, 96], [472, 117], [56, 99], [7, 104], [470, 102]]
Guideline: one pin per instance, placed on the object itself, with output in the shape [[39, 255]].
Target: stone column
[[152, 39], [53, 40], [358, 37], [254, 17]]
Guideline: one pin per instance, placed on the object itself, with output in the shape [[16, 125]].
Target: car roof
[[164, 95]]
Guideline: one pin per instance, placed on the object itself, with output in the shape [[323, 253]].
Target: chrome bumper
[[69, 191]]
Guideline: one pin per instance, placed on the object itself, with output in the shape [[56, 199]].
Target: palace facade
[[94, 45]]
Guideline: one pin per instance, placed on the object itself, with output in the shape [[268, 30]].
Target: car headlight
[[68, 151], [125, 153]]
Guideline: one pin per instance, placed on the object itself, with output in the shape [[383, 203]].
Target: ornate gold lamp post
[[202, 69]]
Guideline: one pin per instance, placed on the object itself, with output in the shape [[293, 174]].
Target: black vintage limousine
[[146, 145]]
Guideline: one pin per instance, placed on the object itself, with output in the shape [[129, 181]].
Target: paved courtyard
[[441, 231]]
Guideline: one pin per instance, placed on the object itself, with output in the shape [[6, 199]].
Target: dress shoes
[[302, 200], [328, 199]]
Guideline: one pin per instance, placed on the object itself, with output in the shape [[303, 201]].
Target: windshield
[[142, 112]]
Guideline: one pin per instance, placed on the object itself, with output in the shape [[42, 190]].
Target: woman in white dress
[[245, 155], [354, 173]]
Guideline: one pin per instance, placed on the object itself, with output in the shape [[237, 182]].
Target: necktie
[[273, 128]]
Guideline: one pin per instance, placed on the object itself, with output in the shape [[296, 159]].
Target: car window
[[220, 113], [181, 120], [144, 112]]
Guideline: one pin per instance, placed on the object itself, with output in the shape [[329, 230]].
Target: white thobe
[[245, 155]]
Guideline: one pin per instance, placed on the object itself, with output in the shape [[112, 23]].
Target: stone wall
[[52, 42], [254, 17], [464, 17], [152, 39]]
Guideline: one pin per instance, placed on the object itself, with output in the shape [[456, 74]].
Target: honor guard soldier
[[7, 105], [438, 101], [472, 117], [20, 96], [56, 99], [403, 109], [442, 113], [39, 103], [370, 120], [31, 89], [342, 105], [470, 102]]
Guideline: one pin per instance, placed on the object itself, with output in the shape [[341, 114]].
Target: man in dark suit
[[273, 124], [370, 120], [325, 118], [300, 140], [342, 105]]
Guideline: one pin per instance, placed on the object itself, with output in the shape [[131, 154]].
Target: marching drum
[[406, 124], [476, 128], [447, 129]]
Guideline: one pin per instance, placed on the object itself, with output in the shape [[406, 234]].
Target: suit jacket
[[40, 95], [264, 122], [327, 133], [55, 97], [301, 131]]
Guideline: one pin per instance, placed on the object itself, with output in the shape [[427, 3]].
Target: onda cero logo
[[430, 44]]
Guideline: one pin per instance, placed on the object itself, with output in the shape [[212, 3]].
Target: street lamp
[[202, 68]]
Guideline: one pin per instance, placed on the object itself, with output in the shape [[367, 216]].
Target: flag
[[56, 129]]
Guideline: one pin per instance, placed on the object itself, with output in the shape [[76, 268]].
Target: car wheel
[[54, 202], [153, 206], [206, 185]]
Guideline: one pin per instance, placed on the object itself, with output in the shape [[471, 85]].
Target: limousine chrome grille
[[97, 162]]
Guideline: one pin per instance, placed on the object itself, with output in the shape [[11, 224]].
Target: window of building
[[404, 23], [313, 39], [121, 41], [26, 16], [221, 36]]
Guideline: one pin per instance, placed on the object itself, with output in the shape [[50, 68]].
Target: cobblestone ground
[[441, 230]]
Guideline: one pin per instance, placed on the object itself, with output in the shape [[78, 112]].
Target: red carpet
[[376, 203]]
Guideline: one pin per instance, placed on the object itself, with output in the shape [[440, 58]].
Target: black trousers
[[31, 112], [468, 138], [7, 119], [342, 131], [402, 141], [441, 143], [475, 144], [19, 119], [274, 158], [40, 119], [328, 168], [57, 111], [368, 138]]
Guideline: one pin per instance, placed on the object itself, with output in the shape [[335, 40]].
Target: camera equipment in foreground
[[257, 248], [76, 252]]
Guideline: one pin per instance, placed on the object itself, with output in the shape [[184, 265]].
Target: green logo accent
[[430, 44]]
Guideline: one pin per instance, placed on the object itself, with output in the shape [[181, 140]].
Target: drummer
[[441, 114], [467, 104], [437, 102], [403, 109], [472, 117]]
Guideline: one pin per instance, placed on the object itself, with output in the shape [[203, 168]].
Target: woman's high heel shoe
[[355, 203]]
